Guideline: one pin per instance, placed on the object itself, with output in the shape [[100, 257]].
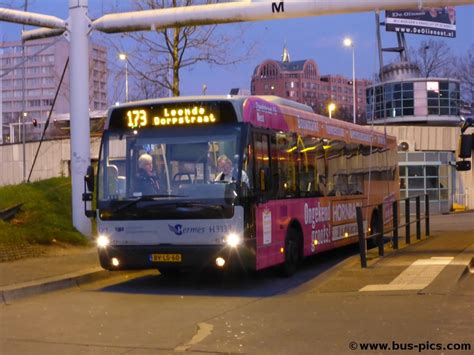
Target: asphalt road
[[262, 314]]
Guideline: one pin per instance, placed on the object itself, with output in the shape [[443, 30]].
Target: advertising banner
[[432, 22]]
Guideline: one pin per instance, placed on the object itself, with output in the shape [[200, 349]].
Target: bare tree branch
[[152, 55], [433, 57]]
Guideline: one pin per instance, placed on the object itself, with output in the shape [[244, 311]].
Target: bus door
[[265, 209]]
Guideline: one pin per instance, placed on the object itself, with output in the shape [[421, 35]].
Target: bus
[[297, 180]]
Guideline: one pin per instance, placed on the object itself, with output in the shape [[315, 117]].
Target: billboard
[[440, 21]]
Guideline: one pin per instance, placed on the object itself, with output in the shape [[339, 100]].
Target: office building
[[28, 90]]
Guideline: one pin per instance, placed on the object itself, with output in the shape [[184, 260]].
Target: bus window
[[308, 167], [286, 150], [337, 168], [262, 163]]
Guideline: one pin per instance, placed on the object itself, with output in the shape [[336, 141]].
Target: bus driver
[[227, 172], [146, 182]]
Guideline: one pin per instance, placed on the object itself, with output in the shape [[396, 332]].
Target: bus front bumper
[[192, 258]]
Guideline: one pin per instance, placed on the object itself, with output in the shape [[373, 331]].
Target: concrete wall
[[53, 160]]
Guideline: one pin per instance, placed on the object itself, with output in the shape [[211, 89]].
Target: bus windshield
[[162, 167]]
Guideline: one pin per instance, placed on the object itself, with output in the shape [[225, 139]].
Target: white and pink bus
[[296, 179]]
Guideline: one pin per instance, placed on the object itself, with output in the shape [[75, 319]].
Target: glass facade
[[402, 99], [427, 173], [443, 98], [391, 100]]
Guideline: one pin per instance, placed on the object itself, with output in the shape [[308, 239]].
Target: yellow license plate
[[166, 258]]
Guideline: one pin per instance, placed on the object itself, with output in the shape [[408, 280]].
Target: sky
[[319, 38]]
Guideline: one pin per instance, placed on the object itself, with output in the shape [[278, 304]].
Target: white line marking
[[416, 277], [203, 331]]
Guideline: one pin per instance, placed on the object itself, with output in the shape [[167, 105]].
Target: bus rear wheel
[[292, 254]]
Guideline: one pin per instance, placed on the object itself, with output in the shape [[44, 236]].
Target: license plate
[[166, 258]]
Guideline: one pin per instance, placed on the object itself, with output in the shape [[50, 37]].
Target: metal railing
[[381, 230]]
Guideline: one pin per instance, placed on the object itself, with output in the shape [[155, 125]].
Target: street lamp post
[[349, 43], [123, 56]]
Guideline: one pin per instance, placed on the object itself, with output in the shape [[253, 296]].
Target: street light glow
[[331, 108], [123, 57], [347, 42]]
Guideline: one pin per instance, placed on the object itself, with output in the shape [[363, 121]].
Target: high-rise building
[[28, 90], [301, 81]]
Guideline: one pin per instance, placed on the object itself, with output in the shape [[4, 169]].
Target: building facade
[[302, 82], [28, 93], [424, 115], [405, 98]]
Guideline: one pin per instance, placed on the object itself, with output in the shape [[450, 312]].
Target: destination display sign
[[172, 115]]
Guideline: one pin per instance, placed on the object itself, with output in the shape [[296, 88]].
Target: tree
[[158, 57], [433, 57], [465, 73]]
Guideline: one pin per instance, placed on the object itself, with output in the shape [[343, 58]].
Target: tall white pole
[[126, 80], [1, 98], [354, 104], [79, 90]]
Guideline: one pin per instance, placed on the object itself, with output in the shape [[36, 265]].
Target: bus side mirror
[[465, 146], [87, 196], [464, 165], [89, 178]]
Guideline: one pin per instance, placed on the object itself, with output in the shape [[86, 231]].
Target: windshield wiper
[[142, 199], [198, 204]]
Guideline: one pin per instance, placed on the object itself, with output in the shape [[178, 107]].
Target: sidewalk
[[429, 265], [62, 268], [452, 236]]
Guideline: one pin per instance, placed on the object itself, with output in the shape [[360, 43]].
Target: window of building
[[34, 103], [429, 176], [34, 92]]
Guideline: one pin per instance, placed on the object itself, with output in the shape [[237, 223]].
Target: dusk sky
[[318, 38]]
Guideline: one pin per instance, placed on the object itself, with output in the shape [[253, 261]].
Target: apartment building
[[301, 81], [27, 91]]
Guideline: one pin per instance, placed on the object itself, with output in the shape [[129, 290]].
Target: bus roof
[[280, 114]]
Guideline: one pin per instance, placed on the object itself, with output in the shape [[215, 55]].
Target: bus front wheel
[[291, 253]]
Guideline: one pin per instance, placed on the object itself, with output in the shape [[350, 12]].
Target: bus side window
[[262, 163], [287, 158]]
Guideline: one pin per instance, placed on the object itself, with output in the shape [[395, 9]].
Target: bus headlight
[[103, 241], [233, 240]]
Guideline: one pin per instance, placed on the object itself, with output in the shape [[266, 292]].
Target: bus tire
[[292, 253]]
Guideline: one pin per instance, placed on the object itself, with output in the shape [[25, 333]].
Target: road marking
[[416, 277], [203, 331]]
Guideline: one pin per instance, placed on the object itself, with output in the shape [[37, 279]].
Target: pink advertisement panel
[[326, 223]]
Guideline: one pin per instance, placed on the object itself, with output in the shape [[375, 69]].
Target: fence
[[380, 233]]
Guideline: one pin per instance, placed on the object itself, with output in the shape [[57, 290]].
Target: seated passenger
[[146, 182], [227, 172]]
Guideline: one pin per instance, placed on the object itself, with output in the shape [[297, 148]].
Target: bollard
[[427, 215], [395, 224], [361, 232], [380, 232], [418, 218], [407, 221]]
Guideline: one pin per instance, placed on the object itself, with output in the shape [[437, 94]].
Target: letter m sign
[[278, 7]]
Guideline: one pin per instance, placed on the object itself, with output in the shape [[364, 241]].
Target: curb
[[31, 288], [447, 281]]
